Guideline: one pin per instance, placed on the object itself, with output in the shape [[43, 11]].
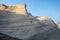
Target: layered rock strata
[[25, 27]]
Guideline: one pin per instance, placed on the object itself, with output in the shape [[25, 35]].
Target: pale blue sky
[[50, 8]]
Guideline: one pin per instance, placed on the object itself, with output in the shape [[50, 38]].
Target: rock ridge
[[18, 9]]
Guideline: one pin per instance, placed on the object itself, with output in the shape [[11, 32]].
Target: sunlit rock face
[[2, 6], [46, 20], [58, 24], [18, 9], [43, 18]]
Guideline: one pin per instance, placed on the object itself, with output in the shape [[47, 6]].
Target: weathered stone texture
[[58, 24], [19, 9], [25, 27], [43, 18]]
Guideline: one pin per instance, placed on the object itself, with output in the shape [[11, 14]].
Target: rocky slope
[[6, 37], [56, 36], [26, 27]]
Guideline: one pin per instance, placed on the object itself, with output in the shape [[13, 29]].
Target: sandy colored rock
[[42, 18], [19, 9], [2, 6], [58, 24], [46, 20]]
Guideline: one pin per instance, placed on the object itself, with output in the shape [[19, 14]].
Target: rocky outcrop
[[46, 20], [58, 24], [43, 18], [18, 9], [25, 27]]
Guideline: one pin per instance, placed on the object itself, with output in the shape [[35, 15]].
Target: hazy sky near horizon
[[50, 8]]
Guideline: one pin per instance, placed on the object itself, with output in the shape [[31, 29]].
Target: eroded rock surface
[[18, 9], [43, 18], [46, 20], [58, 24], [25, 27], [55, 36]]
